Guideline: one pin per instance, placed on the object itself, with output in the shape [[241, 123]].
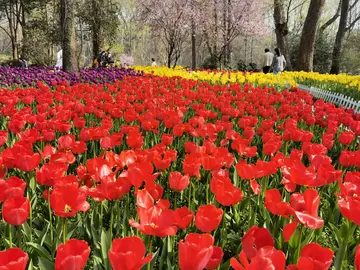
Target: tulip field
[[131, 169]]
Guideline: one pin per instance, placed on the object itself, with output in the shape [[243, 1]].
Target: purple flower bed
[[10, 76]]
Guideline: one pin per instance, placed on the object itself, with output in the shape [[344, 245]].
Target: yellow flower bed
[[345, 84], [222, 77]]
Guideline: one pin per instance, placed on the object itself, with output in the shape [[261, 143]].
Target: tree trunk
[[68, 37], [336, 57], [308, 36], [193, 46], [281, 30], [97, 41], [228, 49], [224, 11]]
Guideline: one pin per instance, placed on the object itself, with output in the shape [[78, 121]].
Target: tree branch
[[331, 20]]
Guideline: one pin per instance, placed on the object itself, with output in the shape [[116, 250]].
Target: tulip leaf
[[40, 250], [294, 240], [96, 262], [225, 265], [31, 265], [45, 264], [43, 234], [26, 231], [105, 247]]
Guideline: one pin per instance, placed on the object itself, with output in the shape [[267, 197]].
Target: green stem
[[10, 235], [111, 221], [350, 228], [50, 217], [175, 199], [190, 204], [64, 225], [101, 214], [149, 252], [19, 235], [30, 214]]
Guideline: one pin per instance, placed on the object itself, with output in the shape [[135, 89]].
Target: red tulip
[[288, 231], [314, 256], [305, 208], [274, 204], [254, 239], [208, 218], [215, 259], [128, 254], [183, 217], [266, 258], [67, 200], [196, 251], [225, 192], [346, 137], [3, 137], [12, 187], [13, 258], [167, 139], [348, 199], [114, 189], [16, 211], [155, 219], [50, 172], [27, 161], [72, 255], [178, 182]]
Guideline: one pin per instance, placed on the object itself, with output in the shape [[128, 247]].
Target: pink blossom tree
[[169, 22], [221, 21]]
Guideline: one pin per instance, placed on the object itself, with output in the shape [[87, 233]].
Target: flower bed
[[176, 173], [345, 84], [12, 77]]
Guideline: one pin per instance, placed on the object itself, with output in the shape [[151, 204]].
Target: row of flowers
[[348, 85], [176, 173], [25, 77]]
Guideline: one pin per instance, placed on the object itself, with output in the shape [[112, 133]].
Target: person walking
[[153, 64], [268, 60], [279, 62]]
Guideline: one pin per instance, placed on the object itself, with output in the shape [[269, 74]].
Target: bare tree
[[12, 9], [336, 57], [308, 36], [331, 20], [68, 37], [281, 28]]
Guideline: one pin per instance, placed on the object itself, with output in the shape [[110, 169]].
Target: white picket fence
[[336, 98]]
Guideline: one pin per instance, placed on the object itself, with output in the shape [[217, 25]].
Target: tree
[[308, 36], [281, 29], [335, 66], [68, 35], [103, 21], [331, 20], [169, 21], [12, 9], [242, 17]]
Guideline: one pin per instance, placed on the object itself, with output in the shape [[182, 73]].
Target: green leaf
[[294, 240], [31, 266], [45, 264], [40, 250], [225, 265], [97, 262], [105, 246], [26, 231], [42, 236]]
